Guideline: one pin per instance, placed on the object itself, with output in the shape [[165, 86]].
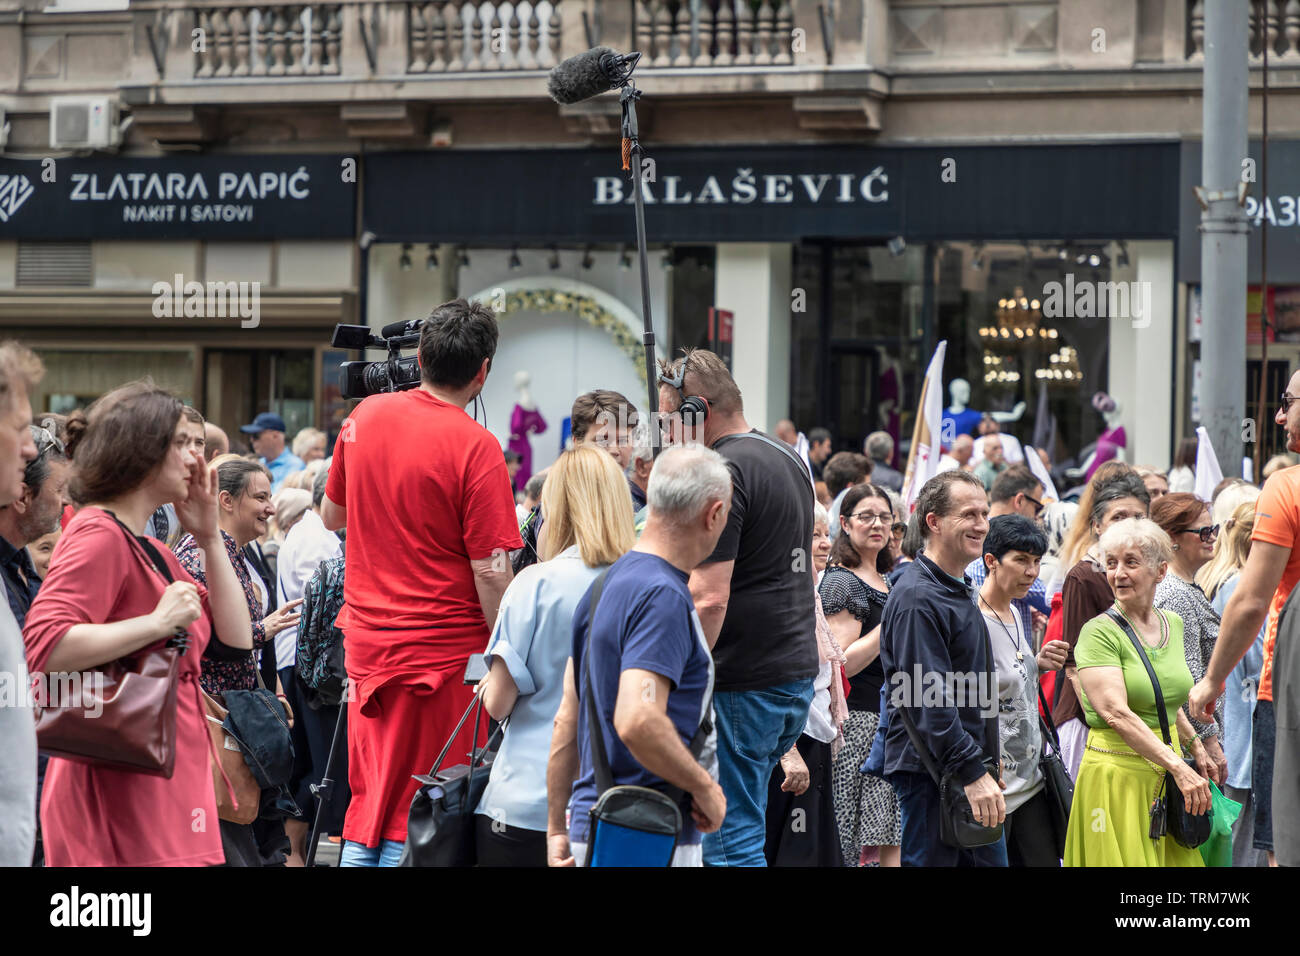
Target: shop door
[[855, 376], [239, 383]]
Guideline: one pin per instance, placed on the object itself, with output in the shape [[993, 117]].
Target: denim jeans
[[386, 854], [755, 729], [919, 799]]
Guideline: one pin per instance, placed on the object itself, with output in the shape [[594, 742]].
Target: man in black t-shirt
[[754, 596]]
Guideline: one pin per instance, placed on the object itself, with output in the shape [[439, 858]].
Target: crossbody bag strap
[[1146, 662], [991, 722], [595, 735], [1047, 721], [150, 551], [922, 749], [781, 447]]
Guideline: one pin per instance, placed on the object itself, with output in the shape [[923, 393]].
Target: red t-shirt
[[94, 816], [1277, 521], [426, 491]]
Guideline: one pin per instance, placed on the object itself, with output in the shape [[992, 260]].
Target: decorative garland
[[587, 308]]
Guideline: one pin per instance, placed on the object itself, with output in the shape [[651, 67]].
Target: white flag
[[1036, 468], [1208, 474], [923, 458]]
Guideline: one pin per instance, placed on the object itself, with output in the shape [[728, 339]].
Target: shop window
[[76, 377]]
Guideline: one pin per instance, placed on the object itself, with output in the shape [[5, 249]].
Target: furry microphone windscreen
[[580, 77]]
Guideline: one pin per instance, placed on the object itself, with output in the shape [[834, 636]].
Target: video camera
[[393, 374]]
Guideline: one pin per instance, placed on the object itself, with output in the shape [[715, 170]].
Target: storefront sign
[[775, 194], [1279, 209], [181, 197]]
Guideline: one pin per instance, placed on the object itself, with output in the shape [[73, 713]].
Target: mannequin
[[1110, 443], [524, 419], [958, 419]]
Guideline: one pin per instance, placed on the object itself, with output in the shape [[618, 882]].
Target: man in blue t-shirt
[[651, 672]]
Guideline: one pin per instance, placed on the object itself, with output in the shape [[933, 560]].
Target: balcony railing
[[1274, 25], [715, 32], [450, 37], [283, 40]]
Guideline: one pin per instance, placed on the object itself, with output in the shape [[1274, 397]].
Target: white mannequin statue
[[522, 381], [960, 420], [959, 394]]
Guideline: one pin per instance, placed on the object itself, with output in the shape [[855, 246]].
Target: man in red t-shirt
[[425, 495], [1271, 571]]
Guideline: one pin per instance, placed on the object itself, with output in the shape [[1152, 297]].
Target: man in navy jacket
[[935, 652]]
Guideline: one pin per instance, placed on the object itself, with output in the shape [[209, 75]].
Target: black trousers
[[1031, 834], [501, 845], [801, 830], [312, 734]]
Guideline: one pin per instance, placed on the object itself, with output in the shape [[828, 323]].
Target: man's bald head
[[786, 431], [217, 441]]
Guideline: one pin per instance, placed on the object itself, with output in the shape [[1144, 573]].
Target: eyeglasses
[[867, 518], [1038, 505], [1287, 400], [1206, 534], [45, 440], [899, 528]]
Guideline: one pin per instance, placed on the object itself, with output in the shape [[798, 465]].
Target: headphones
[[694, 409]]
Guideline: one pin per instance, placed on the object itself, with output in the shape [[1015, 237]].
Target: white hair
[[686, 479], [1230, 499], [641, 450], [1144, 534], [821, 515]]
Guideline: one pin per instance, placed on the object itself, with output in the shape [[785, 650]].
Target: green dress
[[1113, 793]]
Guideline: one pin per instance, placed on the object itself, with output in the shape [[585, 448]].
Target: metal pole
[[628, 99], [1225, 100]]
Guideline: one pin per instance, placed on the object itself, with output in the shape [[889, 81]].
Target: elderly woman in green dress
[[1126, 760]]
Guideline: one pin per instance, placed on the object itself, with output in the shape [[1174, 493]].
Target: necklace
[[1164, 627], [1020, 655]]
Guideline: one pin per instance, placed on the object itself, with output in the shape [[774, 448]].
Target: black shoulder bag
[[957, 824], [1056, 780], [1169, 810], [629, 825]]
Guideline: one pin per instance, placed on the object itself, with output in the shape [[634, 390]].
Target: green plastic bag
[[1217, 850]]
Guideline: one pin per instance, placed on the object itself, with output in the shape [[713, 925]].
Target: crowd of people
[[762, 633]]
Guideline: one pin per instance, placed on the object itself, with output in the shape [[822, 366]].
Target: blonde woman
[[1218, 580], [1126, 760], [588, 527]]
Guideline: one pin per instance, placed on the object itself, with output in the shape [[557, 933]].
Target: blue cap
[[267, 421]]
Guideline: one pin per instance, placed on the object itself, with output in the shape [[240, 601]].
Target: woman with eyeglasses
[[1186, 519], [853, 594]]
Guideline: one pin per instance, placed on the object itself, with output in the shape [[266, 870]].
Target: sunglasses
[[1038, 505], [1206, 534], [46, 440]]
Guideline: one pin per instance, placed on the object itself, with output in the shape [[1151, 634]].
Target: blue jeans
[[919, 800], [386, 854], [755, 729]]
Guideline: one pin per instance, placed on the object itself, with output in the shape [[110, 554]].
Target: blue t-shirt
[[646, 621], [963, 423]]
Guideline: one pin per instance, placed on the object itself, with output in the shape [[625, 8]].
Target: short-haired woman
[[1186, 519], [1086, 592], [853, 594], [801, 828], [588, 527], [309, 445], [1012, 549], [1218, 580], [105, 598], [1157, 481], [1126, 761]]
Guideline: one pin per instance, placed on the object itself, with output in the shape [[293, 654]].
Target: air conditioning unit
[[84, 122]]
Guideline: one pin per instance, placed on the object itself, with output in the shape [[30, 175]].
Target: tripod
[[324, 791]]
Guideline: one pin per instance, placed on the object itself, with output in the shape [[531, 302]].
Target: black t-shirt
[[842, 590], [769, 636]]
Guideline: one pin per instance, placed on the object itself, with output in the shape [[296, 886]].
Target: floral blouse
[[220, 675], [1200, 632]]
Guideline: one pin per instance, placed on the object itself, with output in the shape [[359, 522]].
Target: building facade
[[854, 181]]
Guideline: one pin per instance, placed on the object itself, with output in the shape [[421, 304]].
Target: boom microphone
[[395, 329], [589, 74]]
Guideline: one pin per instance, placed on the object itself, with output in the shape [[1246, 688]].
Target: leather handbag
[[1169, 813], [238, 802], [440, 824], [957, 824], [1056, 781], [126, 718]]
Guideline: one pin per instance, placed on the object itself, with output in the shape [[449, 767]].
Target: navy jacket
[[931, 629]]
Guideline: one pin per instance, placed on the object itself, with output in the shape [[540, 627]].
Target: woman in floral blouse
[[1186, 519], [244, 504]]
